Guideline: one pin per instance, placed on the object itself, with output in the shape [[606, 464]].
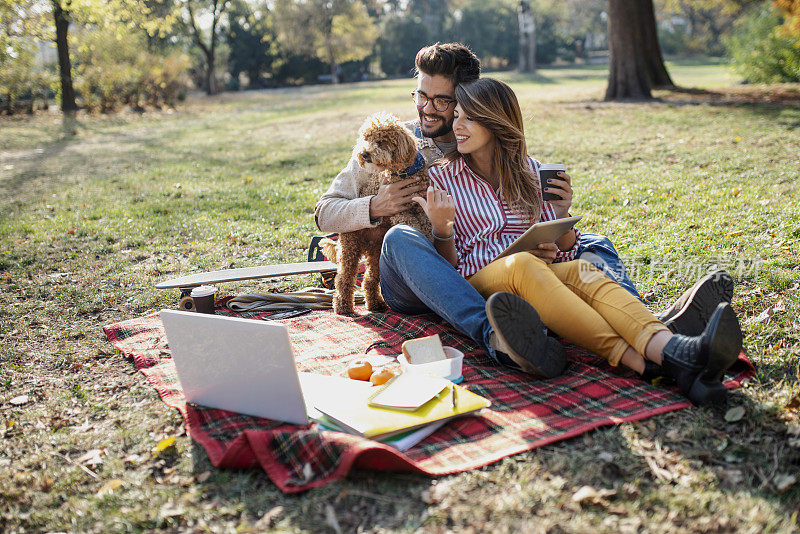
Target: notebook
[[356, 416], [407, 391]]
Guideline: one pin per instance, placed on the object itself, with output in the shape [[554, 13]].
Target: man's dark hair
[[452, 60]]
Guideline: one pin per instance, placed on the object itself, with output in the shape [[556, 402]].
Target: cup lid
[[552, 167], [203, 291]]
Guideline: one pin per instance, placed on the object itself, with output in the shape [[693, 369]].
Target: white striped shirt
[[485, 224]]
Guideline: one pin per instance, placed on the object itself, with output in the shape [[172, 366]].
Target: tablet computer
[[543, 232]]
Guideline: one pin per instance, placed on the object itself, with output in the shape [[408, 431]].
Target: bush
[[22, 81], [762, 50], [113, 68], [165, 80]]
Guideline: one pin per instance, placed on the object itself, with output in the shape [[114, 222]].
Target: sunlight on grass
[[89, 224]]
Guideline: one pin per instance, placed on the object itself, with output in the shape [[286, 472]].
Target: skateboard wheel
[[186, 304]]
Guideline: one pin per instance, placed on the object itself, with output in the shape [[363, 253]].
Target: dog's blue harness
[[419, 163]]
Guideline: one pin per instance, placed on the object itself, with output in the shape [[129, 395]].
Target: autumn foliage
[[792, 10]]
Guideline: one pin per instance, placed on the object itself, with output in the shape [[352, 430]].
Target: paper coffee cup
[[203, 297], [549, 171]]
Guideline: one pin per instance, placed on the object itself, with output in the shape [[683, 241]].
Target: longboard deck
[[247, 273]]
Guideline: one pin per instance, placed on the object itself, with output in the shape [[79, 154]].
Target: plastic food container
[[449, 368]]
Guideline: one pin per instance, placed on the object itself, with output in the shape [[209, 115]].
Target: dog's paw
[[343, 308], [376, 305]]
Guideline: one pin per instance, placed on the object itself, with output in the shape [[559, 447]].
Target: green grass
[[89, 222]]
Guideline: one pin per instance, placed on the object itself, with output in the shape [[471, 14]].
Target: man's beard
[[444, 129]]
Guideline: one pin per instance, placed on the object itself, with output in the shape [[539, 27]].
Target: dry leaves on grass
[[794, 402], [92, 457], [735, 414], [109, 487], [766, 315], [587, 495], [165, 447], [19, 400]]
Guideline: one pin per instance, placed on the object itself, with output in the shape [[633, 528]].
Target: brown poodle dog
[[389, 152]]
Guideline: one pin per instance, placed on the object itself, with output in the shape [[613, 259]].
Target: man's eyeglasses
[[440, 103]]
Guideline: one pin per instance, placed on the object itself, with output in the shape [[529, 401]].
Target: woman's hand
[[546, 252], [561, 186], [440, 209]]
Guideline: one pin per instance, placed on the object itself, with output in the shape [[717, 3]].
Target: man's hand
[[546, 252], [394, 198], [563, 188], [440, 208]]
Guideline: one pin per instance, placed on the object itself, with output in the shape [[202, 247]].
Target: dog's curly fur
[[385, 149]]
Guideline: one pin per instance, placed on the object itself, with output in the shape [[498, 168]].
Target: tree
[[527, 37], [401, 38], [490, 28], [701, 24], [193, 12], [51, 20], [792, 10], [636, 64], [334, 30], [61, 18], [251, 41], [656, 70]]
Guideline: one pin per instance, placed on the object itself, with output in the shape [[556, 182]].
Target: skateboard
[[189, 282]]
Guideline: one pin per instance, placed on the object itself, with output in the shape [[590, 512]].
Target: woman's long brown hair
[[493, 104]]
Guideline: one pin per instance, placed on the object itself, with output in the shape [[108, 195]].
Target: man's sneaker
[[691, 312], [522, 336]]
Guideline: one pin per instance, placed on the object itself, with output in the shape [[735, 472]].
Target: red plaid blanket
[[525, 413]]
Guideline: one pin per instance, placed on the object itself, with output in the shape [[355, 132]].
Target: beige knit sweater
[[340, 209]]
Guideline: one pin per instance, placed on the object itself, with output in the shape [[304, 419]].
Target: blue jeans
[[416, 279], [599, 251]]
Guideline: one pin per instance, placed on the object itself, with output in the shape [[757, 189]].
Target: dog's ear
[[407, 147]]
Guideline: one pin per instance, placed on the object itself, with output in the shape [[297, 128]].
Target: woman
[[485, 196]]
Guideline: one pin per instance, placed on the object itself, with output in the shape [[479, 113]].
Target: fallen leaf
[[268, 519], [109, 487], [768, 313], [133, 458], [19, 400], [794, 402], [165, 447], [605, 456], [735, 414], [91, 457], [202, 477], [783, 481], [584, 494], [171, 510]]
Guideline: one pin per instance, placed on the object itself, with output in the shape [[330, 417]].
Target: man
[[416, 279]]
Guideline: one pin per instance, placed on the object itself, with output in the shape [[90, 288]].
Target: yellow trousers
[[576, 301]]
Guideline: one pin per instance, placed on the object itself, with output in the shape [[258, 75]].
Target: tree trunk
[[61, 17], [627, 70], [527, 37], [211, 74], [656, 71]]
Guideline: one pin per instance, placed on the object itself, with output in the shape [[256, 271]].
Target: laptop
[[245, 366]]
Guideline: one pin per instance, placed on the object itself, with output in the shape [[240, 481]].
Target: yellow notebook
[[355, 416]]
